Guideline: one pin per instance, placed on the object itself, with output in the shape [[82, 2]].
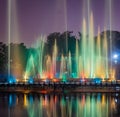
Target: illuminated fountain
[[90, 59]]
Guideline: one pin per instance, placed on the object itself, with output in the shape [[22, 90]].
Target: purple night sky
[[31, 18]]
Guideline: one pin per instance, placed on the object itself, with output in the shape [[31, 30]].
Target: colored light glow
[[115, 56], [11, 79], [30, 81]]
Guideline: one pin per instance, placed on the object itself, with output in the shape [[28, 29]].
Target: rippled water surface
[[60, 105]]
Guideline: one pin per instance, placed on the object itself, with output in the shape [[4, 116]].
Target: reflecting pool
[[59, 105]]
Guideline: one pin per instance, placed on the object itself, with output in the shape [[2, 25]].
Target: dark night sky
[[31, 18]]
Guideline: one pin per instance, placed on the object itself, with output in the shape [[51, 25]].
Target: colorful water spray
[[90, 59]]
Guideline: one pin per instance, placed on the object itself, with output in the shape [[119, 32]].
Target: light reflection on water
[[60, 105]]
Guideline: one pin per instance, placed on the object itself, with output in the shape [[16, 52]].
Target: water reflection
[[60, 105]]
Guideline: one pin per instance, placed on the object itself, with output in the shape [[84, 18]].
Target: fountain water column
[[30, 68], [9, 34], [110, 26], [69, 65], [48, 67], [84, 60], [91, 46], [99, 66], [65, 21], [105, 52], [77, 59], [62, 68], [54, 58], [40, 55]]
